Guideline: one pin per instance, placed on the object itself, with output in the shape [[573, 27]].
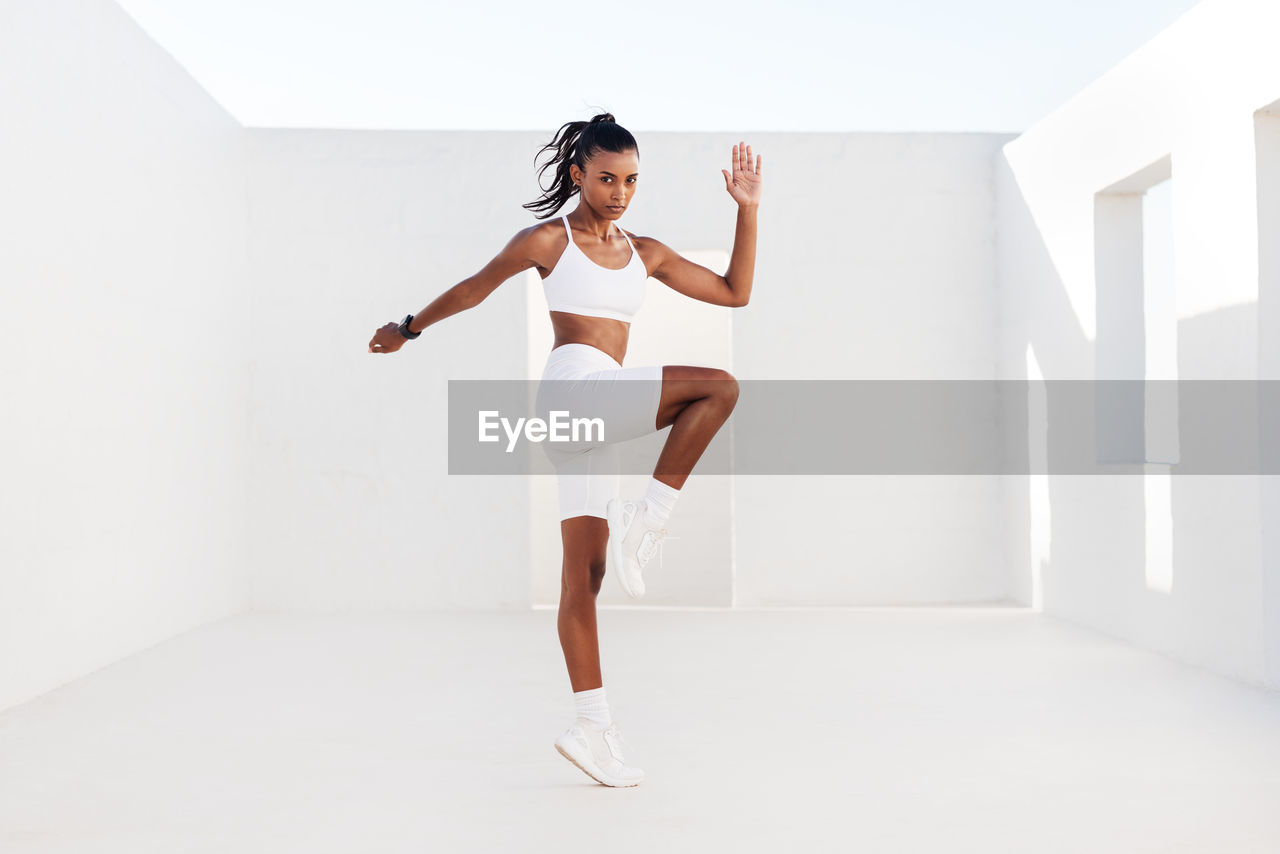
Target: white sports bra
[[581, 286]]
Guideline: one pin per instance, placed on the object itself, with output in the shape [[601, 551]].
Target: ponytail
[[574, 144]]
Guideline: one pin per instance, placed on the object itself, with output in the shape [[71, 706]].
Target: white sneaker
[[632, 543], [598, 753]]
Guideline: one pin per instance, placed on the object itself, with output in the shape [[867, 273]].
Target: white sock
[[658, 503], [593, 706]]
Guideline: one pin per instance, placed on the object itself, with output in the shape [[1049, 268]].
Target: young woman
[[594, 276]]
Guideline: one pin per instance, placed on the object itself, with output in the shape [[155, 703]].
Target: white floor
[[870, 730]]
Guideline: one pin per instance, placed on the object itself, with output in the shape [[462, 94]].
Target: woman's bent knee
[[726, 385]]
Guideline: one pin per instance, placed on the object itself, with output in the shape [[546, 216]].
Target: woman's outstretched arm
[[519, 254]]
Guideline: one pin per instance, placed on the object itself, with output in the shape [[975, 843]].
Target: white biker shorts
[[587, 382]]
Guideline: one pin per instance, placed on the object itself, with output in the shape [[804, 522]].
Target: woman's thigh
[[684, 384]]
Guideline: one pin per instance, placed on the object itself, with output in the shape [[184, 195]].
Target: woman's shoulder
[[543, 242], [647, 245], [546, 232], [638, 238]]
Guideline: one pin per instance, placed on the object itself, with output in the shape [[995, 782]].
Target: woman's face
[[609, 182]]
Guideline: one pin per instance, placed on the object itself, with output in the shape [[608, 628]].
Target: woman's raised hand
[[747, 179], [387, 339]]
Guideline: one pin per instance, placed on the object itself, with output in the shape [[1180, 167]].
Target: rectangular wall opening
[[1137, 420]]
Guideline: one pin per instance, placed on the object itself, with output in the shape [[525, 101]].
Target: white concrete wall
[[876, 261], [352, 506], [124, 340], [1188, 98]]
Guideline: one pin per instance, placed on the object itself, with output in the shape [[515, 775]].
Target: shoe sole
[[592, 774], [614, 511]]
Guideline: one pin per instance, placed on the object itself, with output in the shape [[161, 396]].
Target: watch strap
[[404, 328]]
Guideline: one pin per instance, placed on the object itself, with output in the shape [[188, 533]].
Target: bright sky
[[679, 65]]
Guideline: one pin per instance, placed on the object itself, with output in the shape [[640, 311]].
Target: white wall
[[352, 506], [876, 261], [125, 345], [1188, 97]]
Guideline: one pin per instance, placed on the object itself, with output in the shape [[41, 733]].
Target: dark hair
[[576, 143]]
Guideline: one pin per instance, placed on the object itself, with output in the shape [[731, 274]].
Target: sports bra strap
[[624, 234]]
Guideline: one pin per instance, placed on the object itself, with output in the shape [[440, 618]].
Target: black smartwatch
[[404, 327]]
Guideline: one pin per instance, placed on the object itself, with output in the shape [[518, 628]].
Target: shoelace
[[651, 544], [616, 743]]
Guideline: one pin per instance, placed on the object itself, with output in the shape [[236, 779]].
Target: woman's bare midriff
[[603, 333]]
